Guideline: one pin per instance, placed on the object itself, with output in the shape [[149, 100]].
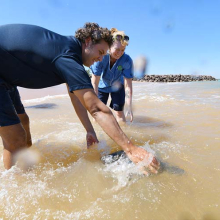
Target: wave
[[45, 98]]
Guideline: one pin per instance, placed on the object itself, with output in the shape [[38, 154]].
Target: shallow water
[[179, 122]]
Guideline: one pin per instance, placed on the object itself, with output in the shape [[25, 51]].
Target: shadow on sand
[[150, 122], [45, 105]]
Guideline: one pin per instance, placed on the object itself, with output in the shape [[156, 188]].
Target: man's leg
[[12, 132], [16, 99], [14, 139], [26, 125]]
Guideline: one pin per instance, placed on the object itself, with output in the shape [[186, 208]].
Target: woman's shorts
[[117, 99], [10, 105]]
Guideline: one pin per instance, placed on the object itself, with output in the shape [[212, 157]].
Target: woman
[[113, 75]]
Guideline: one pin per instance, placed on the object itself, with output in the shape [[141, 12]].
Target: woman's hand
[[128, 97], [129, 113]]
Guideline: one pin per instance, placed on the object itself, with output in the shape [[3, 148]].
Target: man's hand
[[91, 139], [146, 160]]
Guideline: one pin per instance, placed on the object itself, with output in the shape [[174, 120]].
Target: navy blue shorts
[[117, 99], [10, 105]]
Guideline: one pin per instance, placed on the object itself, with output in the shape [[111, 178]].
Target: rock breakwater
[[174, 78]]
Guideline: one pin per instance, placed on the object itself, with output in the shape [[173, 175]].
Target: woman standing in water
[[113, 75]]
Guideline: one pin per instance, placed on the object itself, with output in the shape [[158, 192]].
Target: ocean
[[178, 122]]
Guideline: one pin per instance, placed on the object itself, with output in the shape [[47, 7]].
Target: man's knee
[[14, 137], [24, 119], [20, 139]]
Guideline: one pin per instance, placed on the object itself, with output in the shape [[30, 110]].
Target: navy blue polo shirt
[[34, 57]]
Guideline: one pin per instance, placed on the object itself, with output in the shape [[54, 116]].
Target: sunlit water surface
[[179, 122]]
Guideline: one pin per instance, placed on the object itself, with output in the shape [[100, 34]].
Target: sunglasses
[[120, 37]]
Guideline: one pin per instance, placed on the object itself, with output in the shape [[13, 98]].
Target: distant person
[[113, 76], [140, 65], [34, 57]]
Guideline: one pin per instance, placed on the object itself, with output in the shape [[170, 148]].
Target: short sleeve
[[97, 68], [73, 73], [128, 71]]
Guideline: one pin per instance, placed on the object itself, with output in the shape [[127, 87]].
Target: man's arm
[[84, 118], [104, 117], [128, 97], [95, 82]]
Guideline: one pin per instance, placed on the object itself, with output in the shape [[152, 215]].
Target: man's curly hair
[[95, 32]]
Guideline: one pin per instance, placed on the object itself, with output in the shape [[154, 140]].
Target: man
[[34, 57]]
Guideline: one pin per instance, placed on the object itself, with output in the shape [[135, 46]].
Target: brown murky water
[[179, 122]]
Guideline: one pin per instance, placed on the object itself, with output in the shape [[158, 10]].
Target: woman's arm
[[128, 97], [95, 82]]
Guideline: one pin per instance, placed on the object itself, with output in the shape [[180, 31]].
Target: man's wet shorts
[[10, 105], [117, 98]]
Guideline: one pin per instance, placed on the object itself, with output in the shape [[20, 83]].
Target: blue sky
[[176, 36]]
